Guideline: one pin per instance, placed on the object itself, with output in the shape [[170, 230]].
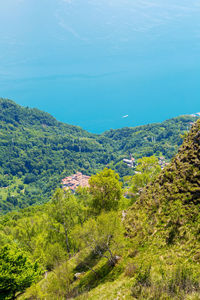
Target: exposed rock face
[[170, 206]]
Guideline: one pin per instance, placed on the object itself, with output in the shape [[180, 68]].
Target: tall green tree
[[17, 272], [106, 190], [64, 214]]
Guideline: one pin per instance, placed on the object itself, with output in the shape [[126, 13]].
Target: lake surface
[[91, 62]]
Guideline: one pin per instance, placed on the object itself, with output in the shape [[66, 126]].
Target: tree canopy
[[147, 169], [106, 190], [17, 272]]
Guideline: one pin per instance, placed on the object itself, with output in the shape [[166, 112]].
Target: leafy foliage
[[16, 272], [106, 190], [146, 171], [65, 210], [103, 236]]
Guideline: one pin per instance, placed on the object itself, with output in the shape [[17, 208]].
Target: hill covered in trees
[[37, 151], [99, 245]]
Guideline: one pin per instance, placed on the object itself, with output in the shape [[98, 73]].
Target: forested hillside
[[36, 151], [97, 244]]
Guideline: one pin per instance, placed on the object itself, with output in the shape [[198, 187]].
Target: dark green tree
[[17, 272]]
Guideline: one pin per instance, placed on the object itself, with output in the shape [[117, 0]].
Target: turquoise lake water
[[91, 62]]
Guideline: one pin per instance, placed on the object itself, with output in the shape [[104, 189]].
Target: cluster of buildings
[[130, 162], [74, 181], [79, 180]]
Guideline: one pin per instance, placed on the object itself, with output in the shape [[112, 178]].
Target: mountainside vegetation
[[37, 151], [164, 223], [145, 246]]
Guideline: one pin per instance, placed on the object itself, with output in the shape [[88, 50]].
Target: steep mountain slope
[[36, 151], [171, 204]]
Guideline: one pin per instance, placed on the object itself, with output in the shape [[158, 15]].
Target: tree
[[147, 169], [106, 190], [17, 272], [64, 210], [103, 236], [84, 199]]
